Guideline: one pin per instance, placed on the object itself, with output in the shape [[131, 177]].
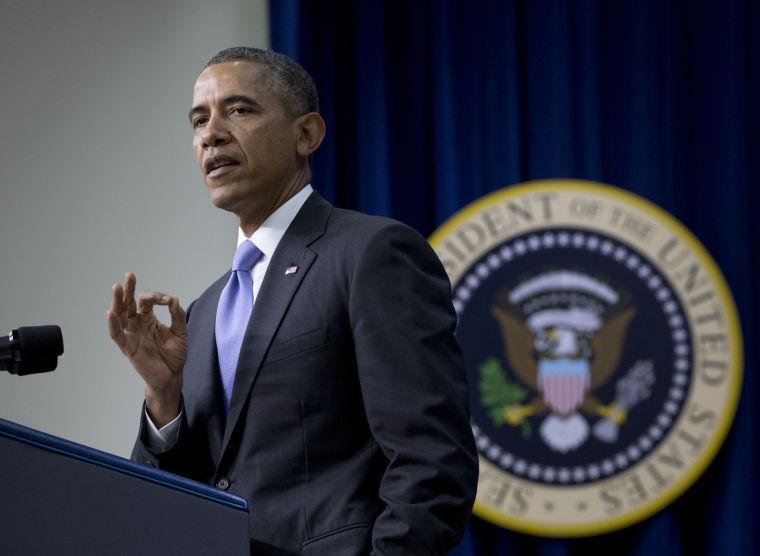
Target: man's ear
[[311, 131]]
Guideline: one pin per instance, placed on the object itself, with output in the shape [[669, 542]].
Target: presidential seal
[[603, 352]]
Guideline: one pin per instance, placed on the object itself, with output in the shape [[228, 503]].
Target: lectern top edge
[[71, 449]]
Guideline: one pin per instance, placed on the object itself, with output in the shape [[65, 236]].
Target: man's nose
[[215, 133]]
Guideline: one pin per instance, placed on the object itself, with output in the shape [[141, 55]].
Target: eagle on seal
[[563, 358]]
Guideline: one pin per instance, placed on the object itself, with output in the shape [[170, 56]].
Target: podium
[[59, 497]]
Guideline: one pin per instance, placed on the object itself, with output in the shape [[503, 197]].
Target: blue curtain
[[432, 104]]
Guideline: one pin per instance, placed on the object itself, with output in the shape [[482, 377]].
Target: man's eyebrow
[[232, 99]]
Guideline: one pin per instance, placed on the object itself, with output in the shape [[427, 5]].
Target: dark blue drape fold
[[432, 104]]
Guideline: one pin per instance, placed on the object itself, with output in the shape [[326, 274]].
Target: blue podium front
[[59, 497]]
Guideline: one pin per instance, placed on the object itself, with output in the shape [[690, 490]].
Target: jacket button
[[223, 483]]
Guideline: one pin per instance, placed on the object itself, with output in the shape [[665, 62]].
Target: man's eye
[[197, 122], [237, 110]]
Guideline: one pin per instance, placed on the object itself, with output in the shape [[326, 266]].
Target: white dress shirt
[[266, 238]]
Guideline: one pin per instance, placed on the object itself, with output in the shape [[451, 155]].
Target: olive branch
[[497, 392]]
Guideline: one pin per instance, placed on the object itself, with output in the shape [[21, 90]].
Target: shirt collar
[[269, 234]]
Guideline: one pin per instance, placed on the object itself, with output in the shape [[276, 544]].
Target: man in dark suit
[[338, 408]]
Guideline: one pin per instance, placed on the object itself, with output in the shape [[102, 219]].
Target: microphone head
[[39, 347]]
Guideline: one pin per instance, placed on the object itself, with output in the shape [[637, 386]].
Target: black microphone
[[31, 349]]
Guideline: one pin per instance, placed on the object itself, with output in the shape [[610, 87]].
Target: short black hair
[[290, 81]]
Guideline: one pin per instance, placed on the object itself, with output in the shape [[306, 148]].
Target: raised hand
[[156, 351]]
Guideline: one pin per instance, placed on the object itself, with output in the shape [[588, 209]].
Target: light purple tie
[[233, 313]]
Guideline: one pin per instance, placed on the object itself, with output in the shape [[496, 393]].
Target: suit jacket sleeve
[[171, 457], [414, 391], [185, 456]]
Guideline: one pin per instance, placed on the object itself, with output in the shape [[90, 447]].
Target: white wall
[[97, 178]]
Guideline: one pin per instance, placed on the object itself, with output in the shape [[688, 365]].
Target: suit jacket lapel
[[273, 299]]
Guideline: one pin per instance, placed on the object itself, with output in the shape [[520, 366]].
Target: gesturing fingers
[[130, 281], [146, 301], [117, 299]]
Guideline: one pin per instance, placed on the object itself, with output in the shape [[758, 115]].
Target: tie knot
[[246, 256]]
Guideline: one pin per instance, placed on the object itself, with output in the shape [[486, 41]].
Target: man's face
[[244, 139]]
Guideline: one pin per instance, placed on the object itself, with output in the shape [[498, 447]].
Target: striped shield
[[563, 383]]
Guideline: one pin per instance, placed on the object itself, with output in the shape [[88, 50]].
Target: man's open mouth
[[217, 165]]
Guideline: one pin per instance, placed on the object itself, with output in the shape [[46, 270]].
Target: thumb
[[179, 318]]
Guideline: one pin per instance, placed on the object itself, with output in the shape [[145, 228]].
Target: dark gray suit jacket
[[348, 428]]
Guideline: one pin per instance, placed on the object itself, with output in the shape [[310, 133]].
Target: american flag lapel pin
[[292, 269]]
